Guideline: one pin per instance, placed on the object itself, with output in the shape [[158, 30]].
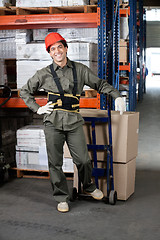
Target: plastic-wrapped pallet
[[39, 34], [82, 51], [79, 34], [23, 36], [4, 2], [77, 2], [26, 69], [31, 150], [7, 34], [32, 51], [124, 28], [3, 76], [7, 44], [37, 3]]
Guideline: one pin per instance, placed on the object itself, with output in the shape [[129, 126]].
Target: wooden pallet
[[32, 173], [11, 10], [40, 174]]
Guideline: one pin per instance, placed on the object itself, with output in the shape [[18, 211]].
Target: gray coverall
[[61, 126]]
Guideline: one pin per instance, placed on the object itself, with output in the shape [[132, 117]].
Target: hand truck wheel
[[112, 197]]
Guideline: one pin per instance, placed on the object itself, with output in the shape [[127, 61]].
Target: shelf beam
[[66, 20], [17, 102]]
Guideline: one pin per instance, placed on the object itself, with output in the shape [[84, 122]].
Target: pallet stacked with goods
[[141, 46], [128, 53]]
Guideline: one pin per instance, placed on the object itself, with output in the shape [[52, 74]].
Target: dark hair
[[62, 41]]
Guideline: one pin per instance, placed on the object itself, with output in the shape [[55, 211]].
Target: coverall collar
[[56, 67]]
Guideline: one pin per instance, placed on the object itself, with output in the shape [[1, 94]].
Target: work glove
[[48, 108], [120, 105]]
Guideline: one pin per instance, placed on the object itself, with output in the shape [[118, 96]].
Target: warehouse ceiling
[[151, 3], [153, 23]]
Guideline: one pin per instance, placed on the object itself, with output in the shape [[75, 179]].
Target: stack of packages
[[30, 56], [7, 58], [125, 148], [31, 150], [123, 54], [4, 3], [7, 44], [3, 76], [50, 3]]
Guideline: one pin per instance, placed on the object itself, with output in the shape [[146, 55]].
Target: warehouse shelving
[[131, 66]]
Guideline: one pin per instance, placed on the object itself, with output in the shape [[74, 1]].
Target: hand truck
[[100, 172]]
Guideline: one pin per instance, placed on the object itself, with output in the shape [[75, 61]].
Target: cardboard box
[[123, 51], [124, 179], [26, 69], [32, 51], [125, 130], [82, 51]]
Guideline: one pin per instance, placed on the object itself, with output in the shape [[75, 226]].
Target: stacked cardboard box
[[125, 147], [123, 51], [31, 150]]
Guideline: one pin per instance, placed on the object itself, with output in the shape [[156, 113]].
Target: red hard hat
[[52, 38]]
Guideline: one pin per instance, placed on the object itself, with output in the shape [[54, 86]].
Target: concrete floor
[[28, 212]]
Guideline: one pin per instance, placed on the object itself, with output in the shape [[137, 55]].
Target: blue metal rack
[[132, 54], [132, 51], [141, 46], [108, 43], [102, 47], [142, 49]]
